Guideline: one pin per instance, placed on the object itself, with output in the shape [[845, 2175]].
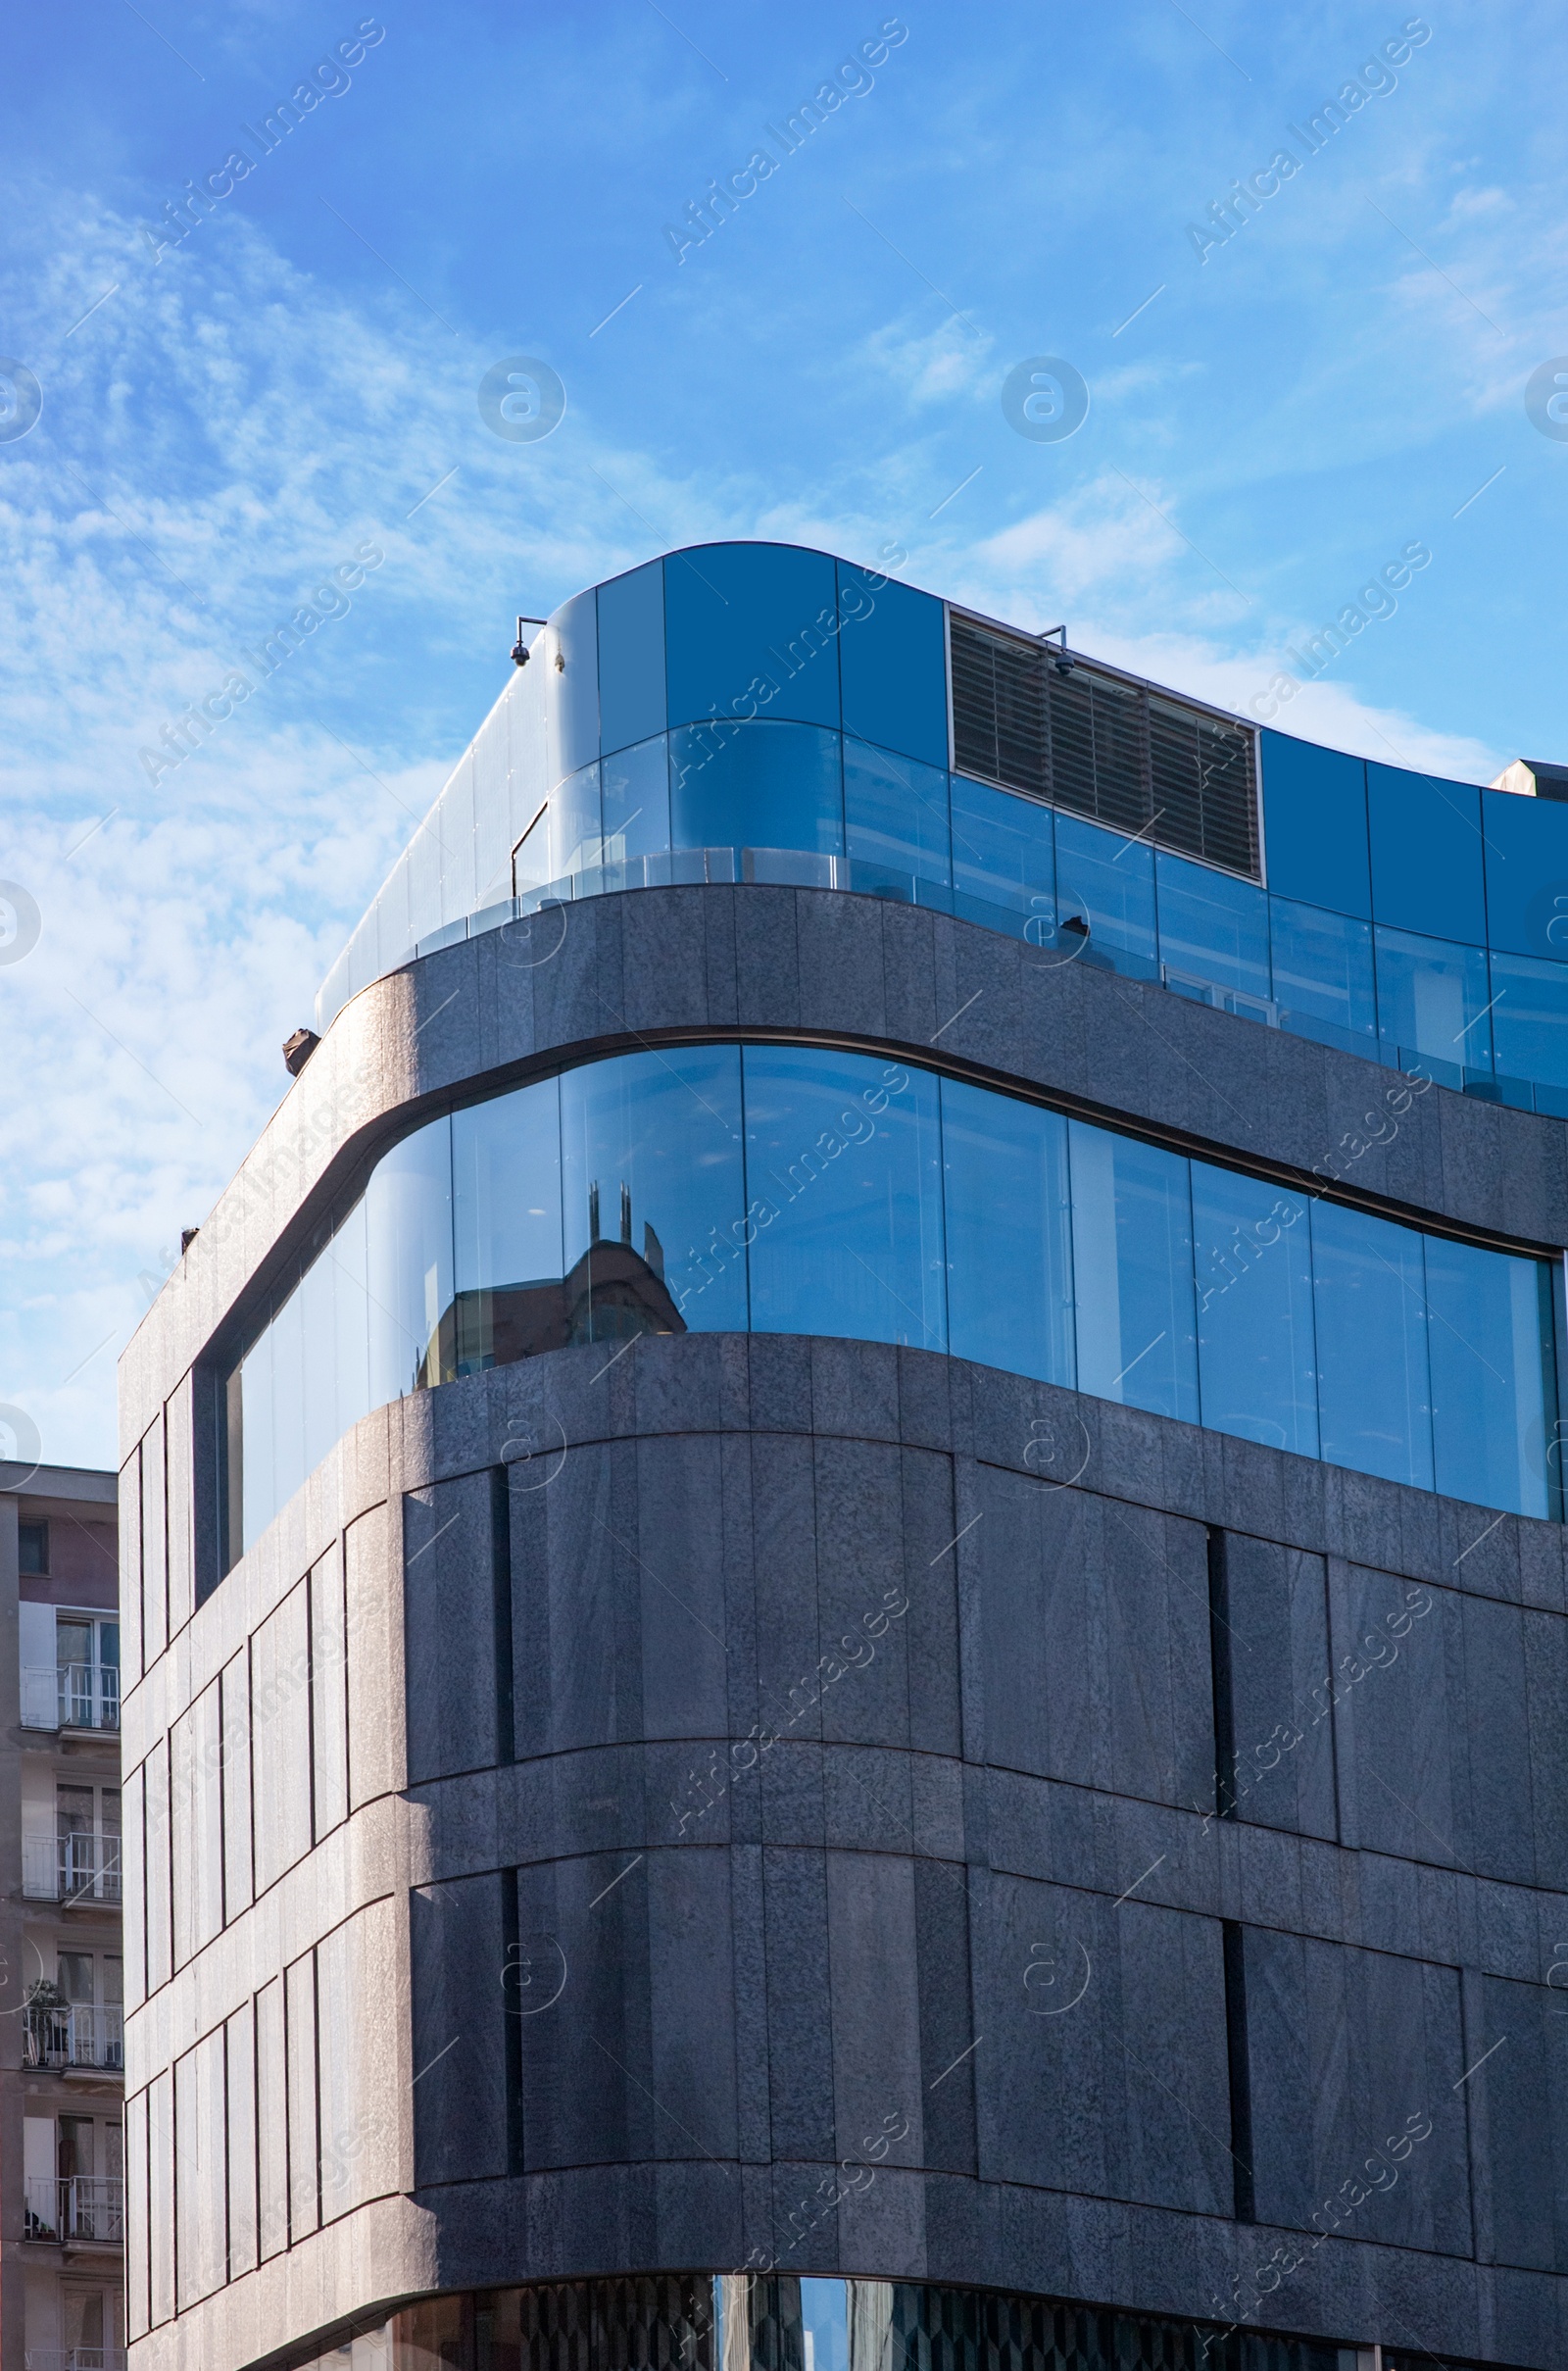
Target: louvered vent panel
[[1135, 761], [1072, 742], [1121, 767]]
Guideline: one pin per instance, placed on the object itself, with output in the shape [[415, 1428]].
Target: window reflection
[[1323, 973], [1213, 925], [653, 1195], [843, 1167], [1009, 1233], [1111, 877], [1256, 1354], [1490, 1349], [1432, 999], [793, 1190], [1132, 1230], [1374, 1394]]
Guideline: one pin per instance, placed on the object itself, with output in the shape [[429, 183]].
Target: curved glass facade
[[756, 712], [785, 1189], [774, 2322]]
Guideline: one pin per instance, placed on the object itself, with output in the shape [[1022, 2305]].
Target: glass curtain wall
[[807, 805], [790, 1190]]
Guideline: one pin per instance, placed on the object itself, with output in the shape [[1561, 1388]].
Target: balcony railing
[[71, 1695], [80, 2206], [76, 2036], [70, 1868], [76, 2359]]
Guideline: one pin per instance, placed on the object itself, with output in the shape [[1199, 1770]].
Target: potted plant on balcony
[[43, 2004]]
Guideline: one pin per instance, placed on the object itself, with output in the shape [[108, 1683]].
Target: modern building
[[61, 2040], [846, 1639]]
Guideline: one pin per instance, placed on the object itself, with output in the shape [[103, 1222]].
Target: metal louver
[[1133, 759]]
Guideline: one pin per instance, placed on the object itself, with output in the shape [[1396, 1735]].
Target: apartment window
[[32, 1547], [87, 1664]]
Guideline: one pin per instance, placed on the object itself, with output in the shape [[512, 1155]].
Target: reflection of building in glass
[[611, 1294], [811, 1623]]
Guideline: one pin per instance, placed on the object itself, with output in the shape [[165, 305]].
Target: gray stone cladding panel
[[772, 1608], [610, 970]]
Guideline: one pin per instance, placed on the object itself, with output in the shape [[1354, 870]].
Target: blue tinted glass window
[[892, 664], [1314, 824], [1256, 1359], [631, 657], [1529, 1018], [1212, 925], [1110, 879], [1426, 854], [407, 1214], [1002, 850], [1433, 997], [651, 1184], [844, 1177], [289, 1468], [1527, 873], [756, 786], [571, 691], [1491, 1352], [505, 1211], [1374, 1399], [350, 1347], [1323, 969], [574, 826], [1010, 1234], [1132, 1235], [317, 1299], [636, 801], [895, 812], [751, 629]]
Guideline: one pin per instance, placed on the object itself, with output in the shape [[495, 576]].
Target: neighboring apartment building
[[847, 1632], [61, 2040]]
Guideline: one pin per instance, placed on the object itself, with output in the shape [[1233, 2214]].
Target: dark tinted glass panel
[[891, 666], [1003, 849], [651, 1186], [1374, 1397], [1010, 1234], [1529, 1018], [1323, 968], [752, 627], [756, 786], [33, 1547], [1526, 874], [844, 1177], [895, 812], [351, 1341], [1212, 925], [1491, 1352], [1133, 1273], [1433, 997], [506, 1209], [1257, 1368], [635, 801], [409, 1264], [1315, 825], [631, 657], [1109, 877], [1426, 854]]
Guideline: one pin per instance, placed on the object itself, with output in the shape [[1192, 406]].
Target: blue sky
[[1271, 421]]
